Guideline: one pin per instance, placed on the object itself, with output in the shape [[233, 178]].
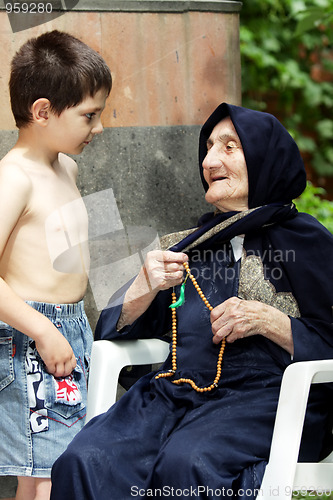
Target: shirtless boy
[[58, 89]]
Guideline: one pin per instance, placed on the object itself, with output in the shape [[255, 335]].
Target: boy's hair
[[58, 67]]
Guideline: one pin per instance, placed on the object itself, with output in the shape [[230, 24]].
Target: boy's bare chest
[[58, 218], [57, 209]]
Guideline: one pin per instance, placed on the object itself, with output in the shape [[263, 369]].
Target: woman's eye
[[230, 146]]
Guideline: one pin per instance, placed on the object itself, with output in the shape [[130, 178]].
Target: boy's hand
[[56, 353]]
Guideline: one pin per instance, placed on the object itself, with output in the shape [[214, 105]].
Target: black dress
[[162, 440]]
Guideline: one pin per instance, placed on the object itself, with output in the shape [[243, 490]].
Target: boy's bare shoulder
[[13, 174], [67, 163]]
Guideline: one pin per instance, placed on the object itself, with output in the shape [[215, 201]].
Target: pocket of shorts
[[6, 362], [65, 396]]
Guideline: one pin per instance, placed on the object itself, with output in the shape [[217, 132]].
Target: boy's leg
[[26, 488], [43, 489], [32, 488]]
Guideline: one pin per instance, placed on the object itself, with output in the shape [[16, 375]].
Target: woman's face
[[224, 169]]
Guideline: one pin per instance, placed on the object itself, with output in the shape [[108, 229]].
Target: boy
[[58, 89]]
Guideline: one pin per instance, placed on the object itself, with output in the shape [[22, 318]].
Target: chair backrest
[[284, 474], [108, 359]]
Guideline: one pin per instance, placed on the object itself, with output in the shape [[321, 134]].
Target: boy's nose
[[98, 128]]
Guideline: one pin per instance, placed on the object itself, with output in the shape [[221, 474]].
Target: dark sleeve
[[301, 262], [155, 322], [313, 339], [312, 278]]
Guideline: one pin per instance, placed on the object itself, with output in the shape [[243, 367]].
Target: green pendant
[[181, 298]]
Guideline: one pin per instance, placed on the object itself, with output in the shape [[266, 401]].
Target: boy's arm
[[57, 354]]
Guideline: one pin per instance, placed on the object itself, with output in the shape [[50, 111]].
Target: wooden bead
[[170, 373]]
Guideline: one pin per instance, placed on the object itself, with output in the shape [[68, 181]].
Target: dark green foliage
[[312, 202], [287, 69]]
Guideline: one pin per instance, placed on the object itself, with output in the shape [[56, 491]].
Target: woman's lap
[[148, 441]]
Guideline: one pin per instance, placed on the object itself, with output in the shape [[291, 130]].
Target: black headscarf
[[275, 168], [276, 173], [273, 227]]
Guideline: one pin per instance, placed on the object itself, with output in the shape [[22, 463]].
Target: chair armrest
[[297, 379], [107, 360]]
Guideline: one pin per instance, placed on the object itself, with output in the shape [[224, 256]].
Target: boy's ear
[[41, 111]]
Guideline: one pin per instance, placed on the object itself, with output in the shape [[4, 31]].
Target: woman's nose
[[212, 160]]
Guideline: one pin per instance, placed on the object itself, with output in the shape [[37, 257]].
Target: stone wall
[[172, 63]]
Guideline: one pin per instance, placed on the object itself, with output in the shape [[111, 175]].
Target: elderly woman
[[257, 278]]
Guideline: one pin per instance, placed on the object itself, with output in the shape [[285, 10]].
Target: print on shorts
[[67, 391], [36, 391]]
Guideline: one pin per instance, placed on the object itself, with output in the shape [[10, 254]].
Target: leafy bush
[[287, 69], [311, 201], [313, 495]]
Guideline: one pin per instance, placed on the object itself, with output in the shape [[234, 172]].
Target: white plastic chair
[[107, 360], [283, 473]]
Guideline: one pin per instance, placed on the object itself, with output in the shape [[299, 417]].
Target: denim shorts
[[40, 414]]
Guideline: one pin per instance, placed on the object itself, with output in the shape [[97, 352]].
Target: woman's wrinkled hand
[[236, 319], [164, 269]]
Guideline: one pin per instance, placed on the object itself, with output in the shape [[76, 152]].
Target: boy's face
[[76, 127]]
